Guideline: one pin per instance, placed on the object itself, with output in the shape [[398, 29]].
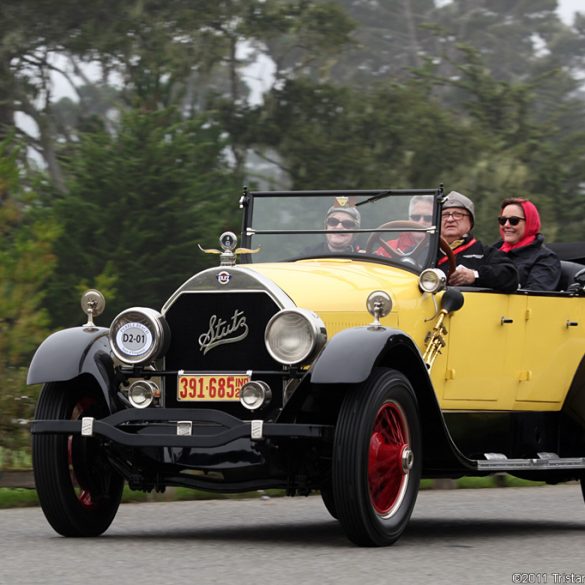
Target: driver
[[477, 265], [342, 215], [420, 210]]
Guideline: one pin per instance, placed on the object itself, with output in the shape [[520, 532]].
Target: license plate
[[210, 387]]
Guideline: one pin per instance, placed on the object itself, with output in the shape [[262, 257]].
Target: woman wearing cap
[[477, 265], [538, 267]]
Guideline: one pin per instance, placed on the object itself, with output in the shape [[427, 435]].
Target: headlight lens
[[294, 336], [139, 335], [142, 392], [255, 394], [432, 280]]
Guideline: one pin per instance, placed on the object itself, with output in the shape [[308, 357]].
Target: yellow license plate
[[216, 387]]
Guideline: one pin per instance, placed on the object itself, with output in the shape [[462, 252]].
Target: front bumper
[[193, 428]]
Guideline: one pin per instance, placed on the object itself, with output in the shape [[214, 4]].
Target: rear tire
[[377, 459], [78, 489]]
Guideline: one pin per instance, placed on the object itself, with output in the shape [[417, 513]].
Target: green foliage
[[18, 498], [523, 146], [26, 262], [338, 137], [138, 203]]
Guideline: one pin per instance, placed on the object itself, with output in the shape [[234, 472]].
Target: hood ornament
[[229, 252]]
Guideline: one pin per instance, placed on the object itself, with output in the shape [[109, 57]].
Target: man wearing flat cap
[[477, 265]]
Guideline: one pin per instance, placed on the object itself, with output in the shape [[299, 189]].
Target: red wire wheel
[[377, 458], [79, 490], [390, 459]]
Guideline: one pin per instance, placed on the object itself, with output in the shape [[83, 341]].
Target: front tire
[[327, 497], [78, 489], [377, 459]]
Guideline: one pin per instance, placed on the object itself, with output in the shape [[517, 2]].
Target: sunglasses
[[512, 219], [418, 217], [348, 224]]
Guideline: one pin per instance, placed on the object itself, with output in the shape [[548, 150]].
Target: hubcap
[[390, 459], [407, 459]]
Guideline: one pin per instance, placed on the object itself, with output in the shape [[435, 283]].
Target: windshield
[[390, 226]]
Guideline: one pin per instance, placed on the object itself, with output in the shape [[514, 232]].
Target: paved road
[[456, 536]]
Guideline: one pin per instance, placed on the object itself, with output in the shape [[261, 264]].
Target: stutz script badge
[[221, 331]]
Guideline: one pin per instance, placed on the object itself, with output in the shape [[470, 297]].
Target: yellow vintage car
[[324, 353]]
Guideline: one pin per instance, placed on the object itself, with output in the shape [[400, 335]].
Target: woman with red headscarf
[[538, 267]]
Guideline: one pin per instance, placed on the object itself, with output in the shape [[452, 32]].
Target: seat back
[[568, 271]]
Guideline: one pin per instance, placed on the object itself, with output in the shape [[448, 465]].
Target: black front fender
[[350, 356], [69, 353]]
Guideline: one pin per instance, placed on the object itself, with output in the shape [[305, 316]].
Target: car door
[[469, 373], [539, 366]]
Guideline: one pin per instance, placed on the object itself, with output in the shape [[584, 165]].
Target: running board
[[547, 461]]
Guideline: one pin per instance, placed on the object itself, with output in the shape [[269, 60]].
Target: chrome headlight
[[255, 394], [139, 335], [142, 393], [294, 336], [432, 280]]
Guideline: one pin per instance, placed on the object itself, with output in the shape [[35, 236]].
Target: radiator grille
[[205, 327]]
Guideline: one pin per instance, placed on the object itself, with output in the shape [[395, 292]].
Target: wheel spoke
[[86, 499], [386, 475]]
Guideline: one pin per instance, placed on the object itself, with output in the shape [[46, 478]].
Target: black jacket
[[495, 269], [539, 268]]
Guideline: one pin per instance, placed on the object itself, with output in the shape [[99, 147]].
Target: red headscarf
[[532, 228]]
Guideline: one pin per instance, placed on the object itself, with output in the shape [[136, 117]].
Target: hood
[[337, 284]]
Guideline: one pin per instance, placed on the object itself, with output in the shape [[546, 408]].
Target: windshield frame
[[372, 195]]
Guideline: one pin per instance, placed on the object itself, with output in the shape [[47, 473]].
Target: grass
[[20, 498], [489, 481]]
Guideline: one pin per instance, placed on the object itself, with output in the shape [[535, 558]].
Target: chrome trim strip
[[532, 464]]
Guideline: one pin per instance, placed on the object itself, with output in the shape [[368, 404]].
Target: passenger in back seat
[[539, 268]]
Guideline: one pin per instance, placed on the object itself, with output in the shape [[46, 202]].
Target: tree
[[26, 262], [391, 135], [138, 203], [157, 54], [531, 138]]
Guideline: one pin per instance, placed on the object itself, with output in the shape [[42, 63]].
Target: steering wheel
[[451, 262], [376, 240]]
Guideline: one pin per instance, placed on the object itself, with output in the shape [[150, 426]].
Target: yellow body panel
[[504, 352]]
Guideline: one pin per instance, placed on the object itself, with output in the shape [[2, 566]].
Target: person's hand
[[462, 276]]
